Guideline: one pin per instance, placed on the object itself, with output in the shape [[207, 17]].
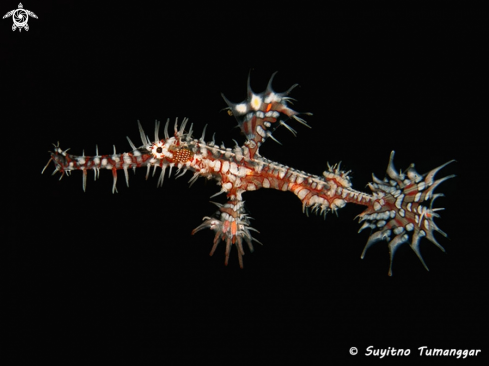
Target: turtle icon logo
[[20, 17]]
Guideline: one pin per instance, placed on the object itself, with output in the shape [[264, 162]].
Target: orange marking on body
[[225, 226], [234, 228], [182, 155], [269, 106]]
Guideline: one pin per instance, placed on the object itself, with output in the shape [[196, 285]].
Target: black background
[[91, 276]]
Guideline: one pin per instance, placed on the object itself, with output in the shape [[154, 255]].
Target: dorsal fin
[[260, 114]]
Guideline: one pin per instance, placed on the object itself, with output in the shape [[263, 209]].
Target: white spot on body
[[241, 108], [313, 200], [399, 201], [272, 97], [398, 230], [255, 102], [127, 159], [302, 193], [227, 186], [233, 168], [339, 203], [251, 187], [225, 167]]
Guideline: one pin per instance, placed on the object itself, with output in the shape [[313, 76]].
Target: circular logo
[[353, 351], [20, 17]]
